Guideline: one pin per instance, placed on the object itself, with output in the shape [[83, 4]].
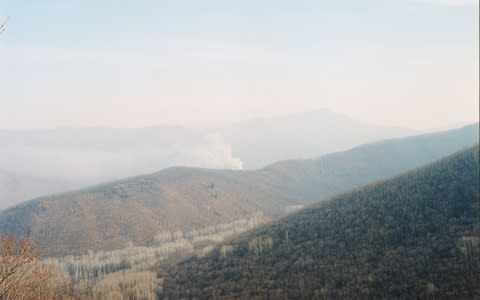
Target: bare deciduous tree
[[21, 275]]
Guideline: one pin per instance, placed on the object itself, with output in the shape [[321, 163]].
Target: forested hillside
[[339, 171], [134, 210], [415, 236]]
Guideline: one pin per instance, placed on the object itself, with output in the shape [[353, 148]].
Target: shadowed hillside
[[413, 236], [134, 210]]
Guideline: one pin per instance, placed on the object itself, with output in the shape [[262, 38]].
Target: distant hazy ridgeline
[[43, 162], [262, 141]]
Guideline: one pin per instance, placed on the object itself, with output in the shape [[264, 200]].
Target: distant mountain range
[[109, 216], [415, 236], [262, 141], [73, 158]]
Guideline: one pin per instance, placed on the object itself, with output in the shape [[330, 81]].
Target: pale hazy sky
[[139, 63]]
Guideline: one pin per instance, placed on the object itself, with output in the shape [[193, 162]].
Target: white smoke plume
[[215, 153]]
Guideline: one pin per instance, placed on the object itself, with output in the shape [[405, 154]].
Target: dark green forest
[[415, 236]]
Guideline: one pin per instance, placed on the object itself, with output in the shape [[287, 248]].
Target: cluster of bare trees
[[258, 244], [23, 277], [107, 274], [128, 271]]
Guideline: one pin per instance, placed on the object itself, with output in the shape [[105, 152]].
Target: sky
[[408, 63]]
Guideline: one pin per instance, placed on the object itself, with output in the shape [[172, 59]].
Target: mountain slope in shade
[[133, 210], [415, 236]]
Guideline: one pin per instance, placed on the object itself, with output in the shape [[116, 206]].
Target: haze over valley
[[50, 161]]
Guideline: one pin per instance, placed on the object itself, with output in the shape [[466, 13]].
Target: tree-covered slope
[[109, 216], [336, 172], [415, 236]]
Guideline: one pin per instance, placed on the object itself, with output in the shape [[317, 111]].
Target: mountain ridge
[[108, 216]]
